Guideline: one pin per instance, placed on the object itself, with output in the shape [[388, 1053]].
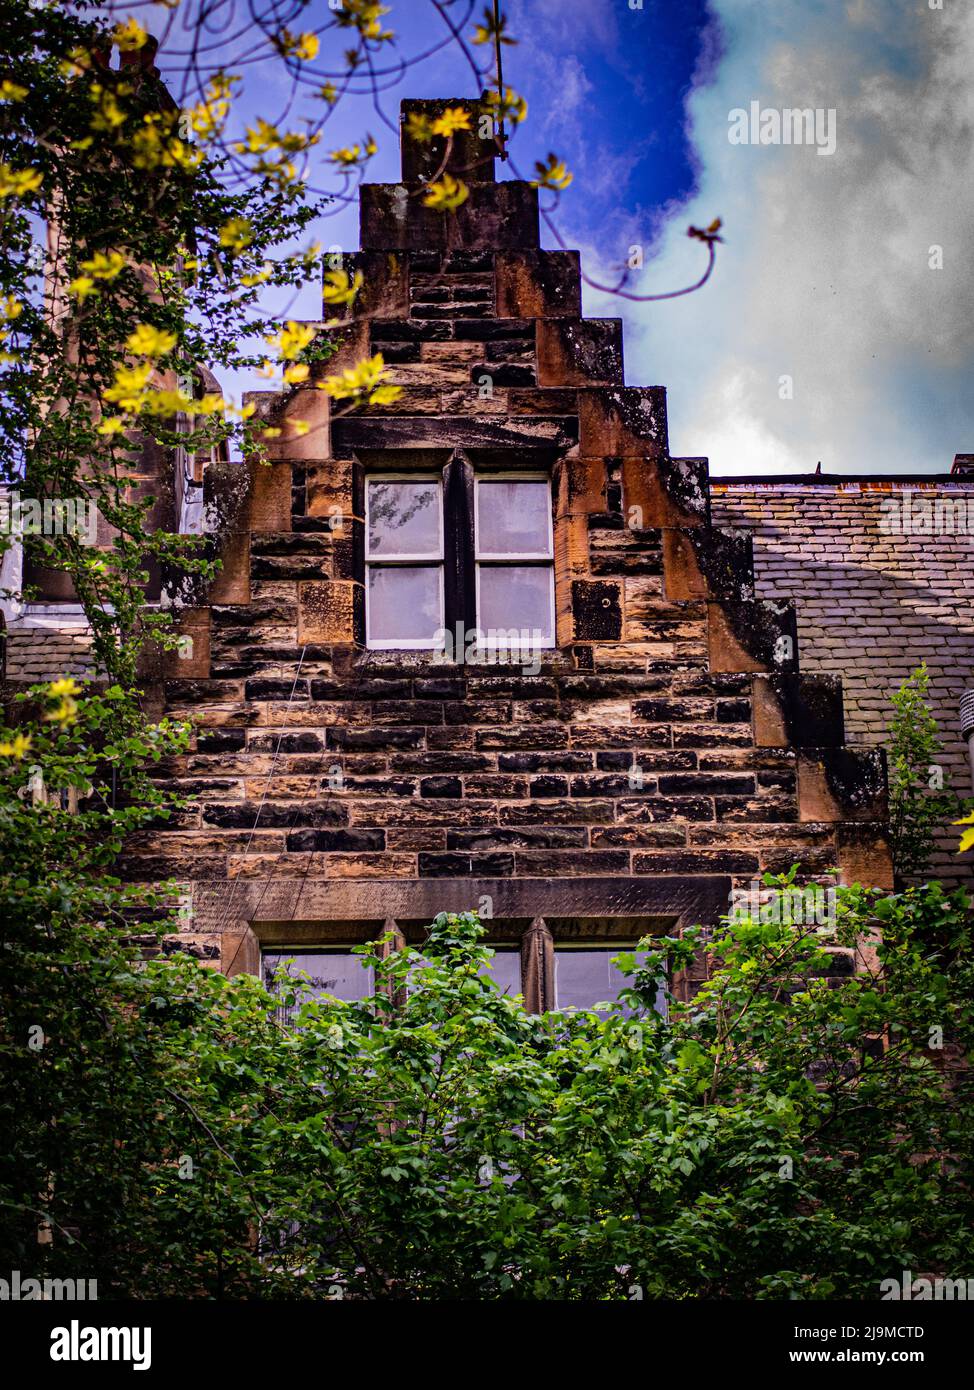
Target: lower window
[[335, 972], [583, 975]]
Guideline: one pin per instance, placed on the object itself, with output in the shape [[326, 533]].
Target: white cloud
[[825, 275], [567, 80], [565, 23]]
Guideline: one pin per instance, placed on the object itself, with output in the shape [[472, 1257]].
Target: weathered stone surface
[[863, 852], [798, 711], [306, 841], [191, 658], [640, 737], [695, 862], [385, 284], [638, 836], [531, 736], [579, 352], [708, 562], [847, 784], [538, 284], [521, 837], [327, 611], [656, 809], [597, 610], [501, 215], [497, 865], [269, 815], [753, 636], [297, 429], [571, 863], [624, 421], [471, 154]]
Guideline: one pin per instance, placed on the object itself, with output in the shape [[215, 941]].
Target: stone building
[[492, 647], [883, 573], [47, 634]]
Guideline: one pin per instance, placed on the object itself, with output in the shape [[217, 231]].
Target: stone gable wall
[[667, 750], [670, 748]]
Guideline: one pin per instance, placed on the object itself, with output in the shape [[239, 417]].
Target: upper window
[[403, 561], [459, 557], [515, 553]]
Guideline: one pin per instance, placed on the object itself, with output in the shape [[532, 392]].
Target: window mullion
[[538, 967], [459, 575]]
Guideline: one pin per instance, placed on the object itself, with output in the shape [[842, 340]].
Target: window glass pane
[[404, 517], [517, 597], [505, 971], [584, 978], [329, 972], [513, 518], [404, 603]]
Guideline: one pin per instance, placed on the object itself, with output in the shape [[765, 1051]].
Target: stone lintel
[[287, 911], [453, 432]]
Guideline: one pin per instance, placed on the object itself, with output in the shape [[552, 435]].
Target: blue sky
[[825, 281]]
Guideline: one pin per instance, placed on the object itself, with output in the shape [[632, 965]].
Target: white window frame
[[405, 561], [533, 559]]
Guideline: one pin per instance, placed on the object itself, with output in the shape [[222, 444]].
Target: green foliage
[[760, 1142], [921, 801], [162, 1132], [116, 261], [72, 938]]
